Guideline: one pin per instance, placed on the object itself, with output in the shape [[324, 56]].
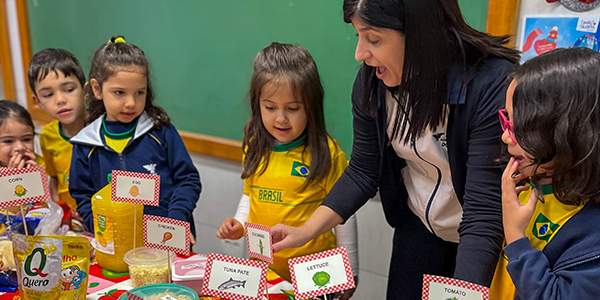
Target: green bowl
[[149, 290]]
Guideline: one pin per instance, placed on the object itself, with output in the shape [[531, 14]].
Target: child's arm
[[50, 170], [81, 186], [186, 180], [53, 185], [233, 228], [347, 236]]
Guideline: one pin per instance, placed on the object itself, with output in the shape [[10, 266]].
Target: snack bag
[[52, 267]]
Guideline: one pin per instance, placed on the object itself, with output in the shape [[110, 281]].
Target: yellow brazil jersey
[[276, 196], [57, 150], [546, 221]]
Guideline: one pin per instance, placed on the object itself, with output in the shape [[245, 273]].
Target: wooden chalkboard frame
[[8, 83], [501, 20]]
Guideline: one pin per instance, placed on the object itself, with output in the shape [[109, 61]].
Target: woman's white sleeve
[[243, 210], [347, 235]]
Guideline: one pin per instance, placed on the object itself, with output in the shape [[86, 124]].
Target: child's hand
[[346, 294], [30, 159], [192, 239], [515, 216], [21, 160], [231, 229]]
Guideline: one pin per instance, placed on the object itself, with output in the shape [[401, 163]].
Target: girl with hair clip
[[126, 131], [290, 162], [552, 127], [16, 137], [426, 137]]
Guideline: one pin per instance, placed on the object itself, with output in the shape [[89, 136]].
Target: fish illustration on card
[[232, 284]]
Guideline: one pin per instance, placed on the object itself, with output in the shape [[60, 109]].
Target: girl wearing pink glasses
[[552, 129]]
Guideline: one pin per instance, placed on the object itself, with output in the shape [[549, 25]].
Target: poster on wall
[[546, 33]]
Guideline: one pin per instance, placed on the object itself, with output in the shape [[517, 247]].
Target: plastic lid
[[147, 256], [189, 269], [159, 289]]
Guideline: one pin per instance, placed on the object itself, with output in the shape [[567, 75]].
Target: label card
[[20, 186], [260, 242], [134, 187], [321, 273], [588, 23], [234, 278], [438, 287], [167, 234]]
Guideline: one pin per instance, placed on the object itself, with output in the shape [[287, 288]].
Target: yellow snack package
[[52, 267]]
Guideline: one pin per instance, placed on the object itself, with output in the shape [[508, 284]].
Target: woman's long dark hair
[[437, 38], [108, 60], [285, 64], [556, 115]]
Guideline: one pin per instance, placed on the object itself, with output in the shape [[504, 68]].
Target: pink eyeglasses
[[507, 125]]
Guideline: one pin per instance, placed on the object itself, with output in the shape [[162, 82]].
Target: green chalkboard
[[201, 51]]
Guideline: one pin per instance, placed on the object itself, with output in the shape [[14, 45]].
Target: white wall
[[221, 191]]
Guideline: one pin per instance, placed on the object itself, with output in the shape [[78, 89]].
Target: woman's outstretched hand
[[288, 237]]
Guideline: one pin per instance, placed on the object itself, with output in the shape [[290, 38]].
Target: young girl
[[290, 161], [16, 137], [128, 132], [552, 127]]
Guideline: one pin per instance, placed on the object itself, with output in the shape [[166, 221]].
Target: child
[[128, 132], [57, 81], [16, 137], [290, 161], [552, 127]]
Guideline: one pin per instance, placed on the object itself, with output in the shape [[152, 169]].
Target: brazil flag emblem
[[544, 228], [299, 169]]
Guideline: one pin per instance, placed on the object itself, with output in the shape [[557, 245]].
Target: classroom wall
[[201, 52], [222, 188]]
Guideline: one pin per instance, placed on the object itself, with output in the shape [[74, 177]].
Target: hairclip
[[117, 40]]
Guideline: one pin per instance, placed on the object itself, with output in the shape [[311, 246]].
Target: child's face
[[61, 97], [282, 114], [524, 159], [123, 94], [15, 137]]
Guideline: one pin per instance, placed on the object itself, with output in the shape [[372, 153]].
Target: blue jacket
[[156, 151], [474, 146], [567, 268]]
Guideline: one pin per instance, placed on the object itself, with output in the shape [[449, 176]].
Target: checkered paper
[[216, 279], [145, 198], [435, 287], [340, 274], [132, 296], [255, 240], [33, 181], [178, 242]]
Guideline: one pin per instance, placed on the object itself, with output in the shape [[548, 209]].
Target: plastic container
[[148, 266], [160, 291], [113, 229], [190, 272]]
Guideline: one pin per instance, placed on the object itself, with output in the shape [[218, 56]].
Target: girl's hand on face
[[16, 161], [230, 229], [29, 158], [515, 216]]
